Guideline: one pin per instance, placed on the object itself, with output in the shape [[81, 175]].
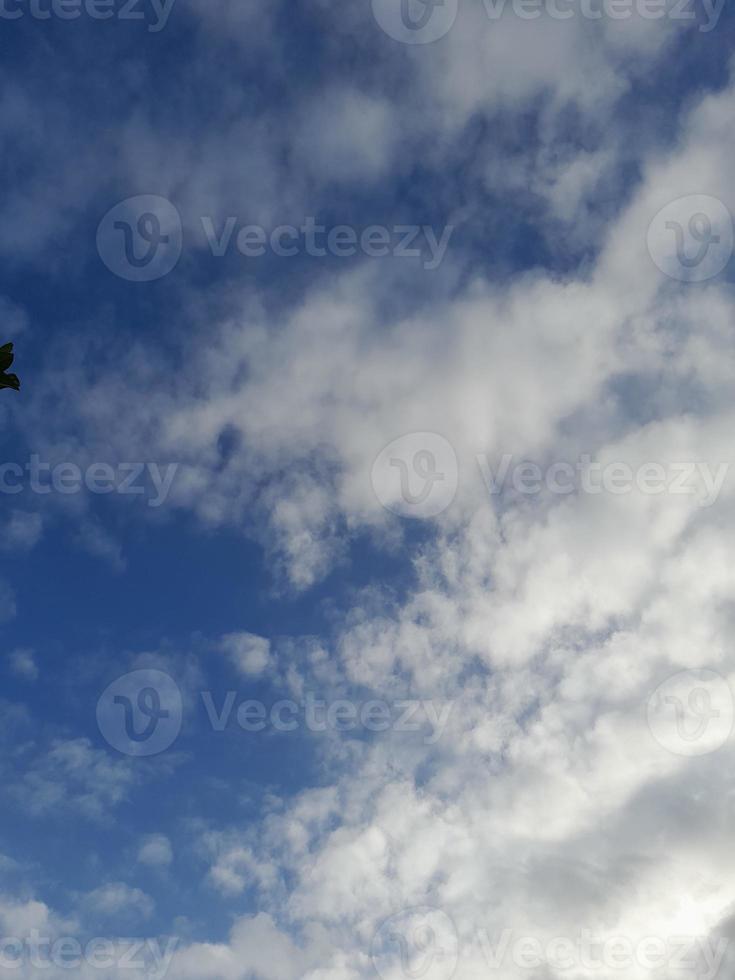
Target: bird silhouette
[[6, 359]]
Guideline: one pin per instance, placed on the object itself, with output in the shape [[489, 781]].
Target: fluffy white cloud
[[73, 774], [156, 851], [249, 653]]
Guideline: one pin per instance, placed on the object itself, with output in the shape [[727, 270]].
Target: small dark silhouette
[[6, 359]]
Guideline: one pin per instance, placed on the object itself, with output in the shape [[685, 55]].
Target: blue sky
[[371, 375]]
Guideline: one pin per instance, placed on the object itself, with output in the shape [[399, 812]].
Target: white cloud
[[19, 918], [117, 900], [13, 318], [97, 540], [256, 948], [249, 653], [73, 774], [23, 664], [22, 531], [358, 135], [155, 851]]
